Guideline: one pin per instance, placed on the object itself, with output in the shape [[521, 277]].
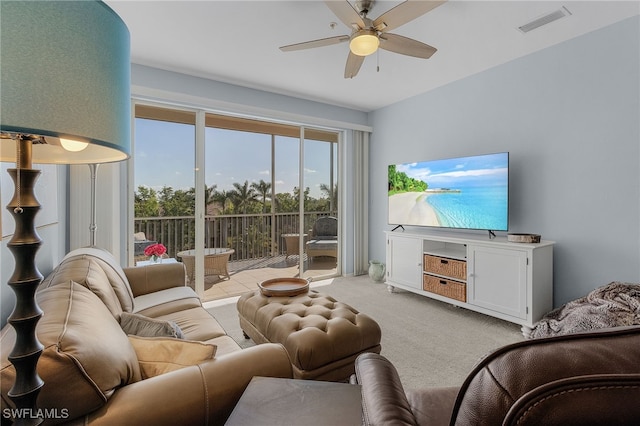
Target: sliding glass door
[[269, 195], [320, 211], [164, 194]]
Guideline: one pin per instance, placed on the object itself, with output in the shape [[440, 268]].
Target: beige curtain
[[361, 202]]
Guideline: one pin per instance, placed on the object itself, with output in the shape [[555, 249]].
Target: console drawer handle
[[444, 262], [443, 282]]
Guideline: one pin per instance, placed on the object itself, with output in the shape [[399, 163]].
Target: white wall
[[154, 84], [569, 116], [52, 234]]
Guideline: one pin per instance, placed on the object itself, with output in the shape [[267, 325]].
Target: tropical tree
[[400, 182], [243, 196], [222, 197], [209, 195], [264, 191], [177, 203], [305, 198], [285, 202], [146, 202], [332, 195]]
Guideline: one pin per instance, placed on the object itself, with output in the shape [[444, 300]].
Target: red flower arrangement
[[155, 251]]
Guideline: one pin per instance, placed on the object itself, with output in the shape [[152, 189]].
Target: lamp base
[[25, 280]]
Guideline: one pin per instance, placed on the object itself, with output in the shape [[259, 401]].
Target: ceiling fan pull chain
[[378, 60]]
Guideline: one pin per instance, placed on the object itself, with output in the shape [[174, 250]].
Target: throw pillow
[[157, 355], [142, 326], [86, 355]]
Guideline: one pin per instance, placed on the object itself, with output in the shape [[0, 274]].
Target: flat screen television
[[463, 193]]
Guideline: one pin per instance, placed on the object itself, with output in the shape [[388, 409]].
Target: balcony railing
[[251, 236]]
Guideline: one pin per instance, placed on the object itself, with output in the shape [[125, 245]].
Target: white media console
[[510, 281]]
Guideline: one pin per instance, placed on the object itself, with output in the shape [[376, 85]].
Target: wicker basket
[[444, 266], [444, 287]]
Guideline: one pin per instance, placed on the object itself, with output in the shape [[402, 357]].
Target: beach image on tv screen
[[465, 192]]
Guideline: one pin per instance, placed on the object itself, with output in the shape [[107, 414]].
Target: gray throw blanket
[[613, 305]]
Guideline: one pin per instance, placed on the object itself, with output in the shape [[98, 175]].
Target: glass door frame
[[199, 179]]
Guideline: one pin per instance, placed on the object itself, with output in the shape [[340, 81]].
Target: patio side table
[[292, 243]]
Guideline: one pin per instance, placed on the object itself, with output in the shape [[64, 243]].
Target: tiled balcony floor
[[245, 275]]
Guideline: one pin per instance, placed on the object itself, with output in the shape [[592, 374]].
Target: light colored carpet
[[431, 343]]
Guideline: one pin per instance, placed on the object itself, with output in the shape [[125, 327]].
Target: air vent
[[545, 19]]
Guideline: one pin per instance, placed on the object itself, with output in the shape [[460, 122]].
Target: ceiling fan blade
[[403, 13], [346, 13], [354, 62], [406, 46], [315, 43]]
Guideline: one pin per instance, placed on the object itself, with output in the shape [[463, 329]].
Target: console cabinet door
[[498, 280], [404, 261]]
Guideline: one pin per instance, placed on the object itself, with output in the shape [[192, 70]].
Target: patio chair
[[216, 261], [140, 243], [324, 238]]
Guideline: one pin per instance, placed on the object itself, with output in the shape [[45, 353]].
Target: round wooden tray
[[284, 287]]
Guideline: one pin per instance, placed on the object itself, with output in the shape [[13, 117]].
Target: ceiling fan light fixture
[[364, 42]]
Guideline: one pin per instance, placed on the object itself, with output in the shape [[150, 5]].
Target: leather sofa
[[95, 373], [590, 378]]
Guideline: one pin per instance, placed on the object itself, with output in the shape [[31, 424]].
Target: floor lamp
[[65, 79]]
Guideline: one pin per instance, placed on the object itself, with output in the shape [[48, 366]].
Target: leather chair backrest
[[583, 378], [326, 227]]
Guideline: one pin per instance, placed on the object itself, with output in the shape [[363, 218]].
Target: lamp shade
[[65, 74]]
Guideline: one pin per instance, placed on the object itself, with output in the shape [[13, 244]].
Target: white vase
[[376, 271]]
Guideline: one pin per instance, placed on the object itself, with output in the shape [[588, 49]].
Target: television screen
[[465, 193]]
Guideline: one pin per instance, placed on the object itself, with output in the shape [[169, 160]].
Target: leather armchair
[[590, 378]]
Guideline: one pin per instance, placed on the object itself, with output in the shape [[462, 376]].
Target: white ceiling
[[237, 42]]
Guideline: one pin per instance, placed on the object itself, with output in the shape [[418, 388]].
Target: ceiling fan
[[368, 35]]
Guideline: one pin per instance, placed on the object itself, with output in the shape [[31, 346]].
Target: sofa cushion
[[112, 269], [196, 324], [159, 355], [86, 355], [224, 344], [88, 273], [174, 299], [139, 325]]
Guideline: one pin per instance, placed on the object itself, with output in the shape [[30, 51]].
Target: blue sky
[[490, 169], [164, 155]]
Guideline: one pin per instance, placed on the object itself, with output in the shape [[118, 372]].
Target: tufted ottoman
[[322, 336]]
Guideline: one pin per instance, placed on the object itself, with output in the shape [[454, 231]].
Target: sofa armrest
[[383, 399], [199, 394], [150, 278]]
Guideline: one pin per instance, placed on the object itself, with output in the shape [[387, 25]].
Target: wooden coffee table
[[271, 401]]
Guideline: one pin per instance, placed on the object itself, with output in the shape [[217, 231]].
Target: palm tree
[[243, 196], [264, 190], [332, 195], [209, 195], [222, 197]]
